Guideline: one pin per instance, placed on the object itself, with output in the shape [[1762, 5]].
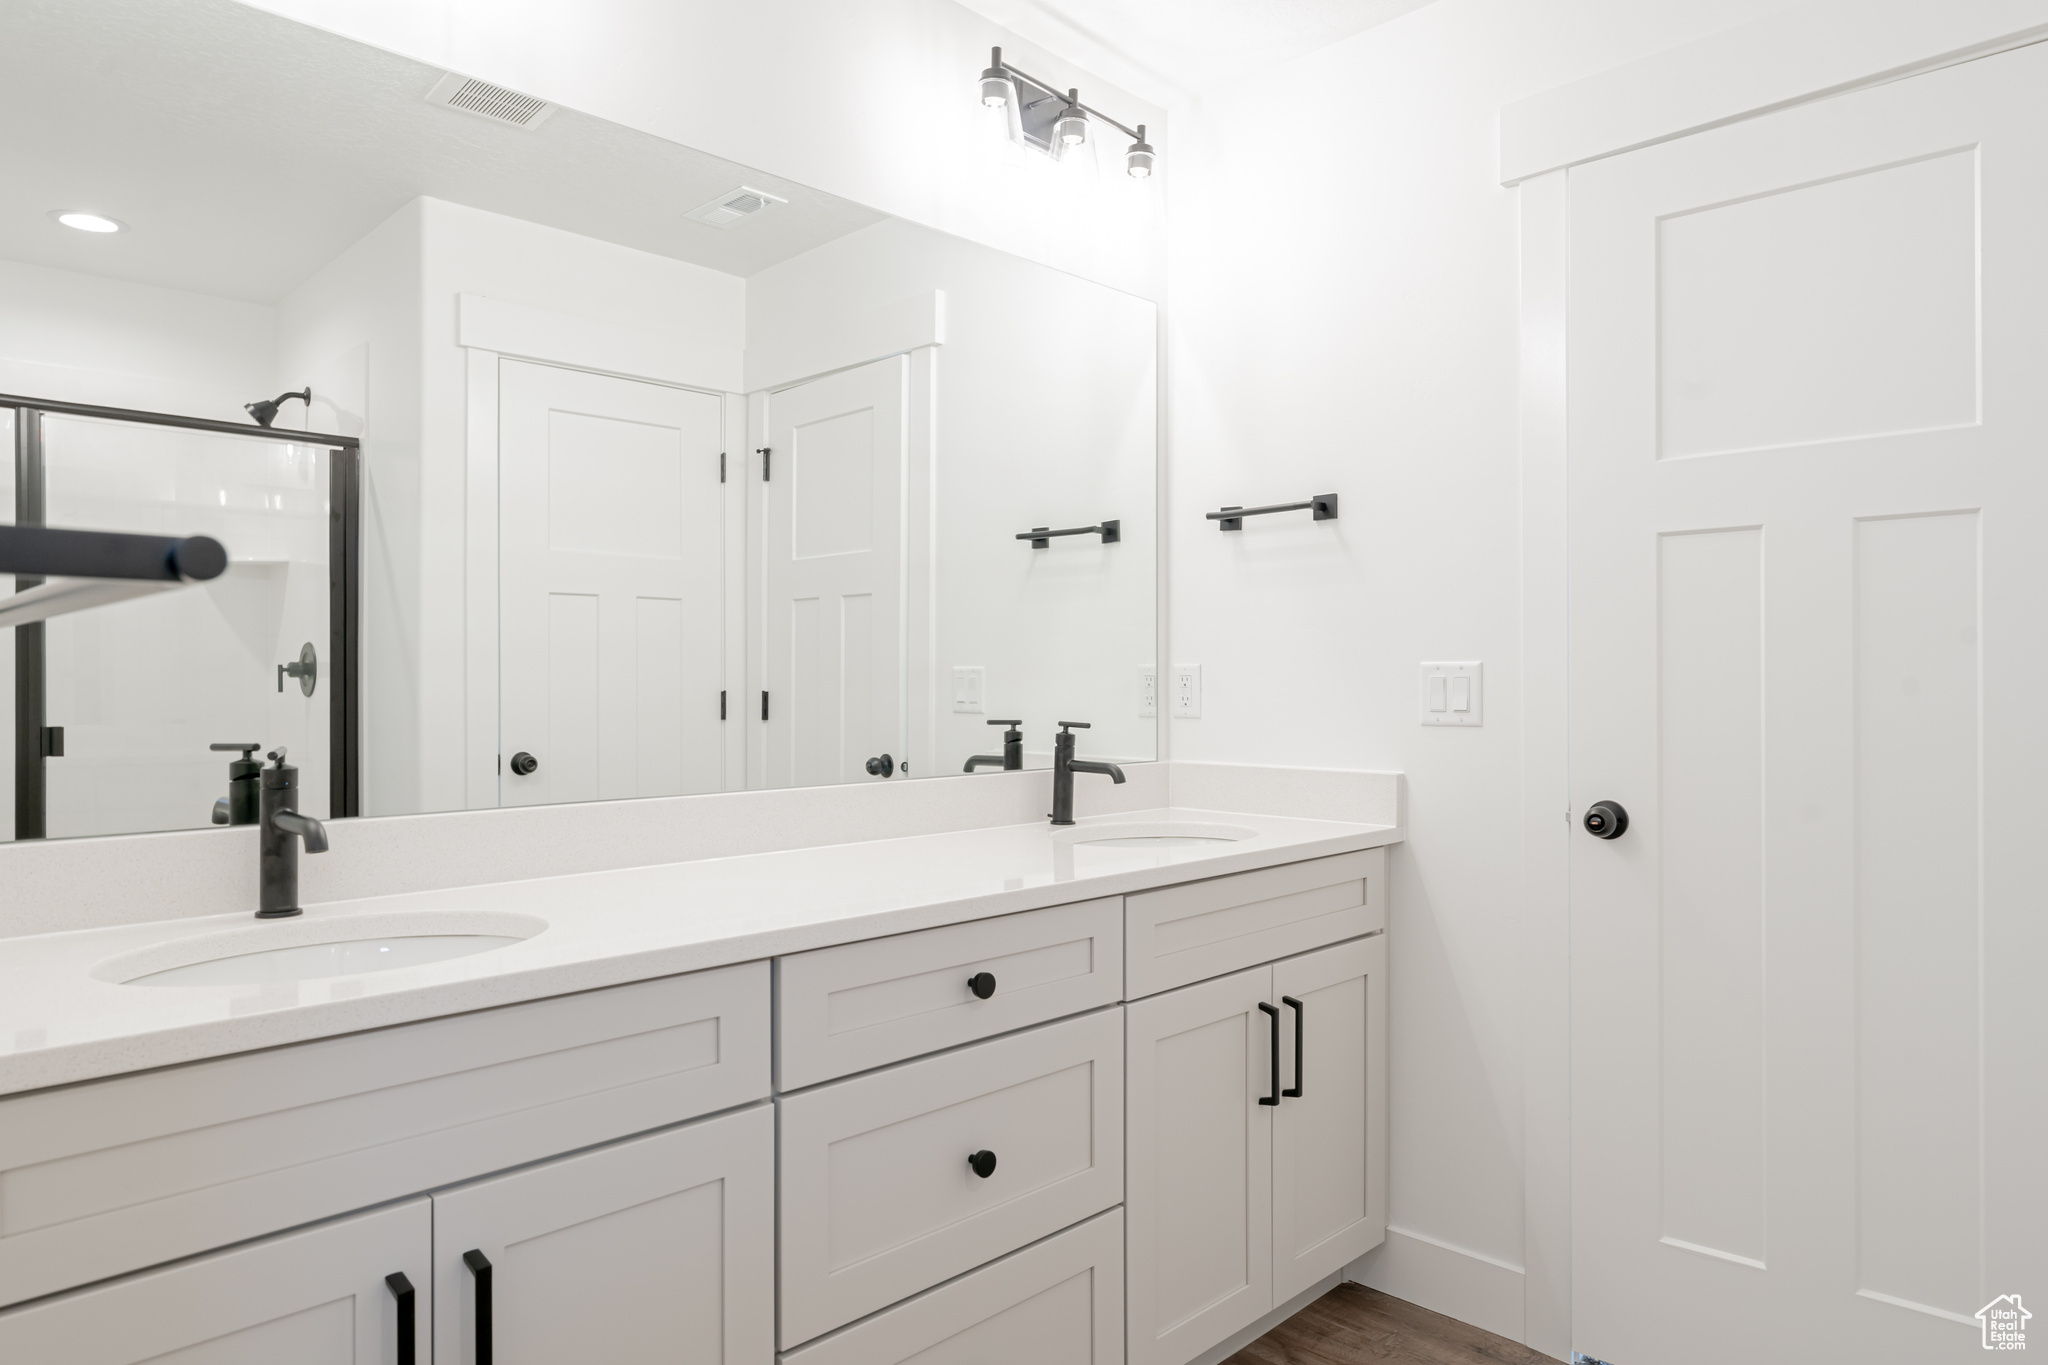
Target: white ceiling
[[245, 151], [1172, 50]]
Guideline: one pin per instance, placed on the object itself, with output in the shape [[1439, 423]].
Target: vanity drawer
[[110, 1176], [1192, 932], [863, 1005], [877, 1200], [1060, 1302]]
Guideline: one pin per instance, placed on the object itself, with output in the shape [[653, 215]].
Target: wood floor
[[1353, 1325]]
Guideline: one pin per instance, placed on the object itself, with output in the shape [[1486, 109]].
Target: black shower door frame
[[344, 600]]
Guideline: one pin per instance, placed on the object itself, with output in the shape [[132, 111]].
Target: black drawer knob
[[983, 1163], [882, 766], [1606, 820], [983, 984], [524, 763]]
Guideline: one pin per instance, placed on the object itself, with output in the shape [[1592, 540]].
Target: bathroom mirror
[[620, 470]]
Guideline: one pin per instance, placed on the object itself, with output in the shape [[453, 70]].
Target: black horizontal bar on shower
[[164, 419], [1323, 505], [50, 552], [1041, 537]]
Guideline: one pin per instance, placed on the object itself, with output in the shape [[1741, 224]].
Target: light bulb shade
[[1138, 160], [995, 87], [1072, 128]]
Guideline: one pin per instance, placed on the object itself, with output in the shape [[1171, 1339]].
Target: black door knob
[[881, 767], [1606, 820], [983, 1163], [524, 763], [983, 984]]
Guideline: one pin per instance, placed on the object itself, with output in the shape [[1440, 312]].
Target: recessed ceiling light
[[88, 222]]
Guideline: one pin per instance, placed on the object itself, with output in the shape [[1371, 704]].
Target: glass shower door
[[140, 689]]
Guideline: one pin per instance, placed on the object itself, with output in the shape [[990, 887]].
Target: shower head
[[265, 412]]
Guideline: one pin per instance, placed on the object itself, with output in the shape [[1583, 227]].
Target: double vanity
[[1013, 1094]]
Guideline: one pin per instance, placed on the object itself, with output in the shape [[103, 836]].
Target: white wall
[[92, 339], [352, 331], [1045, 415], [874, 100], [1344, 317]]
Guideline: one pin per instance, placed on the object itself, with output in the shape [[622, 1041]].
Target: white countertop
[[60, 1023]]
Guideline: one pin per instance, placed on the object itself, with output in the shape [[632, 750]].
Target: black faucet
[[243, 804], [1065, 765], [1012, 756], [277, 852]]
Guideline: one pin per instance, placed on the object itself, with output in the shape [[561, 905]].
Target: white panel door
[[1198, 1196], [1807, 503], [651, 1250], [1330, 1129], [611, 582], [834, 573], [321, 1296]]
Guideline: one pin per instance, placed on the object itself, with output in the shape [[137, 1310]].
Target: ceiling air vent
[[489, 101], [733, 205]]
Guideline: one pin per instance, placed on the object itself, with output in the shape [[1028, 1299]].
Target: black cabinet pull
[[524, 764], [983, 984], [1273, 1018], [401, 1289], [983, 1163], [1294, 1091], [480, 1267]]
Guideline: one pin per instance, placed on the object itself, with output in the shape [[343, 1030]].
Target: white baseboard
[[1445, 1279]]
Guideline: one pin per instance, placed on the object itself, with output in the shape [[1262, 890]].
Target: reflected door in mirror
[[834, 574], [610, 588]]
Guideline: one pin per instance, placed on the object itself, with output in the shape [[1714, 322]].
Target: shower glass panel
[[141, 688]]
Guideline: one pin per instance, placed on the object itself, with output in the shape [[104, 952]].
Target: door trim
[[481, 740], [1809, 53], [1816, 50]]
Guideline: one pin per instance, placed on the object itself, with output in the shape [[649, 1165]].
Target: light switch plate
[[968, 680], [1148, 691], [1452, 694], [1187, 691]]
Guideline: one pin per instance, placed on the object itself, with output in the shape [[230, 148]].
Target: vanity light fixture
[[1056, 120], [88, 222]]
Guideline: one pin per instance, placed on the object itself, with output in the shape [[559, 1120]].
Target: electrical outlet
[[1187, 691], [1148, 691], [1452, 694], [968, 681]]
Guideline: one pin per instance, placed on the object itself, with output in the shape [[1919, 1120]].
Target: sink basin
[[308, 950], [1154, 834]]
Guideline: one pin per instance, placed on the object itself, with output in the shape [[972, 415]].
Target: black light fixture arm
[[1323, 505], [996, 60]]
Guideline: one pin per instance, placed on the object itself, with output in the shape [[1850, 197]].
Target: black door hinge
[[765, 453], [721, 466], [53, 741], [721, 704], [764, 703]]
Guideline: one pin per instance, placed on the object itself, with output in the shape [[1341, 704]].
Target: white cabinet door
[[1330, 1129], [317, 1297], [644, 1251], [1198, 1195], [1057, 1302]]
